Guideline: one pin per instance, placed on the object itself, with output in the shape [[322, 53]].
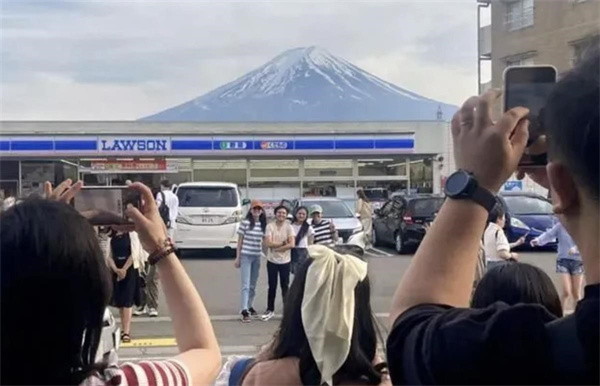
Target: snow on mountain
[[307, 84]]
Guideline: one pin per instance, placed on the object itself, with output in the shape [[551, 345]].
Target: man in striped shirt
[[324, 230]]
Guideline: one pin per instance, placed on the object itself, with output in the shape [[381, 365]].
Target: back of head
[[496, 213], [165, 184], [514, 283], [291, 340], [571, 118], [55, 287]]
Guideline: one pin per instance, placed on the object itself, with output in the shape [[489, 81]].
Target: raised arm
[[547, 236], [196, 340], [491, 152]]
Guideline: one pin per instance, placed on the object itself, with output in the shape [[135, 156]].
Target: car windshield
[[527, 205], [376, 194], [207, 196], [425, 206], [332, 209]]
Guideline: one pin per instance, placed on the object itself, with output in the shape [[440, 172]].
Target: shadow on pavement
[[209, 254]]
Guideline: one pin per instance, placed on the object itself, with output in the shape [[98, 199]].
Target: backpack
[[163, 210]]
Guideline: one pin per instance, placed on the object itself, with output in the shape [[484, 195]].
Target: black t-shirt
[[500, 344]]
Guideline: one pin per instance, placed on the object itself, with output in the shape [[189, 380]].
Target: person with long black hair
[[249, 249], [304, 237], [328, 334], [51, 258]]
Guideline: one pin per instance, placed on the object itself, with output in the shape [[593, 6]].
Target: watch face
[[457, 183]]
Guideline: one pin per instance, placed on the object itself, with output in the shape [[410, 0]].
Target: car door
[[394, 217], [379, 222]]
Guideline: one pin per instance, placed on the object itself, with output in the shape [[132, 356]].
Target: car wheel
[[374, 239], [399, 243]]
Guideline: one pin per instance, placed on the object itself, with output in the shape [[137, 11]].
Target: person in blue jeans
[[568, 263], [249, 249]]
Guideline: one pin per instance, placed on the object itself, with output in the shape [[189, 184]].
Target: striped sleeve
[[243, 227], [155, 373]]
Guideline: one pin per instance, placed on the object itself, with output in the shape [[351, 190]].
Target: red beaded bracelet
[[160, 254]]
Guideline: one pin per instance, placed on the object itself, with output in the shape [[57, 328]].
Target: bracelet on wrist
[[159, 254]]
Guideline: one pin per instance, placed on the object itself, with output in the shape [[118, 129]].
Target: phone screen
[[106, 205], [529, 87]]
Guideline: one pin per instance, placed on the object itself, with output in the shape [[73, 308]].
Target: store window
[[519, 14], [233, 171], [324, 168], [269, 168]]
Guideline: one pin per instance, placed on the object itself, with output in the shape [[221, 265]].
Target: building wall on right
[[526, 32]]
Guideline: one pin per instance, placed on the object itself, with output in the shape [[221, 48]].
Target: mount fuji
[[307, 84]]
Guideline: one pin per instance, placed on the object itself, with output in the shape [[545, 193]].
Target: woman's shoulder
[[284, 371]]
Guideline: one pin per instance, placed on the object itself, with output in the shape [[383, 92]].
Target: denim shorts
[[570, 266]]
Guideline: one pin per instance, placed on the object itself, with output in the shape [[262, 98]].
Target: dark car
[[526, 214], [401, 220]]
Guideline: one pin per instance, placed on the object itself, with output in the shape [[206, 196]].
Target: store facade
[[266, 160]]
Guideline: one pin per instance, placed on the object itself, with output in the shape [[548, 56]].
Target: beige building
[[525, 32]]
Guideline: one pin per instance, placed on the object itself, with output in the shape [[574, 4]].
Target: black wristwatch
[[461, 185]]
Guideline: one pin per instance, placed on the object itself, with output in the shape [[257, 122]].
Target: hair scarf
[[328, 307]]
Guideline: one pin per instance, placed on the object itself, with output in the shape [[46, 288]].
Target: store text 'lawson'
[[131, 144]]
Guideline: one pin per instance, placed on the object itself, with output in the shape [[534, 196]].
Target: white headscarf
[[328, 307]]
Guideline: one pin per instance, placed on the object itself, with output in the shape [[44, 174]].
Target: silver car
[[345, 220], [110, 338]]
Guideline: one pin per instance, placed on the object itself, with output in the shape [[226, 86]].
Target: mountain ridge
[[306, 84]]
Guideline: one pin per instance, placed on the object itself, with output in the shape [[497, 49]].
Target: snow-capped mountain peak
[[304, 84]]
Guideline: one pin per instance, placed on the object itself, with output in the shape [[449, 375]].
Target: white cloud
[[126, 59]]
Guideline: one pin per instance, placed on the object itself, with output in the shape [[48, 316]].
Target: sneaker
[[267, 315], [245, 317], [253, 313], [152, 312], [140, 311]]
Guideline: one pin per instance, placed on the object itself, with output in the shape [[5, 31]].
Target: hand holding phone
[[106, 205], [530, 86]]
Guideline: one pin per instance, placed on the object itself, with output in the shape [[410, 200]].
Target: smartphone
[[530, 86], [106, 205]]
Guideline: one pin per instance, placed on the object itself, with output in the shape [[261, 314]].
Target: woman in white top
[[496, 245], [365, 210], [304, 237]]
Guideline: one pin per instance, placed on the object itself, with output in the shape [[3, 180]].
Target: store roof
[[41, 128]]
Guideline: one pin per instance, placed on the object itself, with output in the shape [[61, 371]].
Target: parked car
[[110, 337], [209, 215], [377, 196], [345, 220], [401, 220], [526, 214]]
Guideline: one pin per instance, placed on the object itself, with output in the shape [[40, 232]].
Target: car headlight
[[358, 229], [515, 222]]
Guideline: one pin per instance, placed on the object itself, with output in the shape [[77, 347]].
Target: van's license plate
[[208, 220]]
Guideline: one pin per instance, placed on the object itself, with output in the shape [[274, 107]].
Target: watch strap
[[484, 198]]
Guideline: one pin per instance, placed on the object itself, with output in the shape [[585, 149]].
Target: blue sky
[[113, 60]]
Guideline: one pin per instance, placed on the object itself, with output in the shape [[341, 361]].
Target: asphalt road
[[219, 284]]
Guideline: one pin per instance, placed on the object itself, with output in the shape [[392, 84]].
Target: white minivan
[[209, 215]]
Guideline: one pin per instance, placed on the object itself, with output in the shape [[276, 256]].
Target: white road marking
[[380, 251]]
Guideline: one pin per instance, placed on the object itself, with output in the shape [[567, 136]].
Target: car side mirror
[[245, 202], [357, 215]]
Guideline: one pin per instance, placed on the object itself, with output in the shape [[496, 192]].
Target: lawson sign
[[145, 144]]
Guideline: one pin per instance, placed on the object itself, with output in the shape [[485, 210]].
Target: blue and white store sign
[[134, 144], [94, 146]]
